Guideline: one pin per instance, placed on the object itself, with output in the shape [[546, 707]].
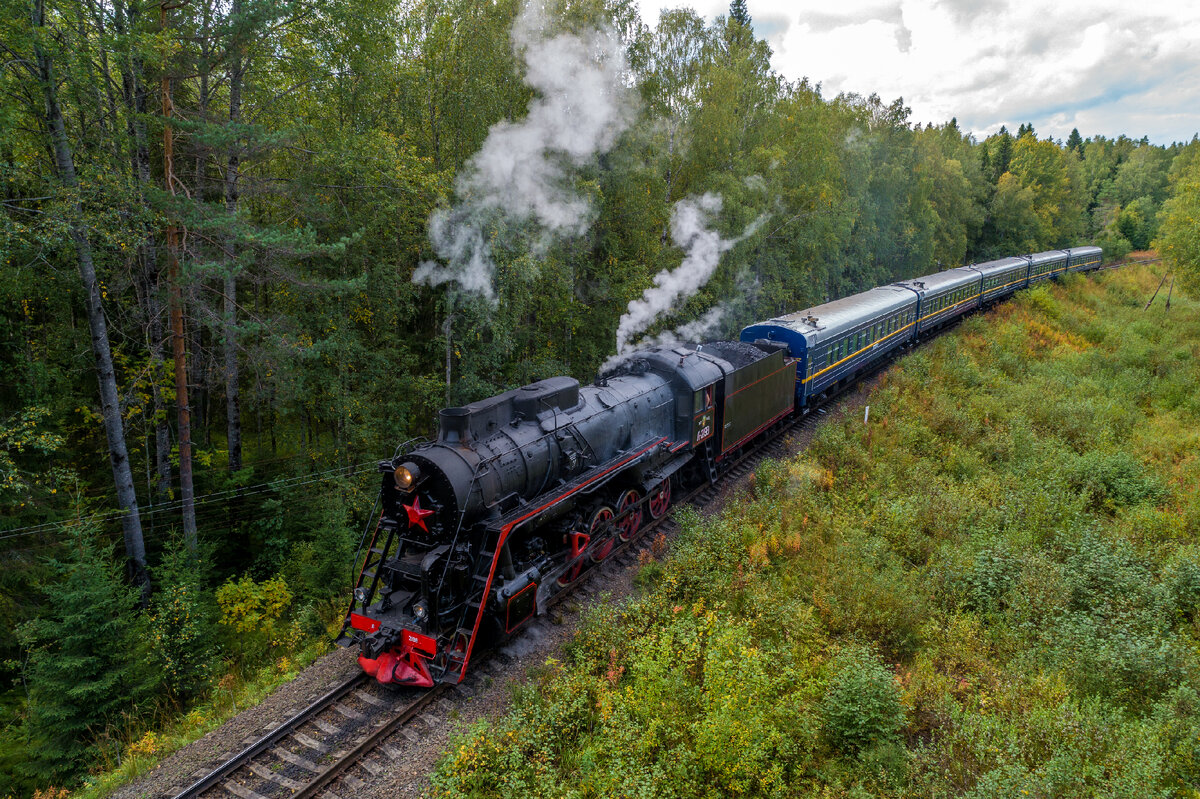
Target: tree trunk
[[186, 491], [131, 522], [233, 417], [125, 19]]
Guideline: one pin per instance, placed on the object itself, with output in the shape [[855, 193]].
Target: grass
[[995, 593], [234, 692]]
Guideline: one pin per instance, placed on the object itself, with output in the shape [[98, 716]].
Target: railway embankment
[[990, 585]]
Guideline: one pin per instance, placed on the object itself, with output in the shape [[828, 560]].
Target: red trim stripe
[[749, 436], [504, 532]]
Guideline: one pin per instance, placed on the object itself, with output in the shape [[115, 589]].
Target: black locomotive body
[[523, 491]]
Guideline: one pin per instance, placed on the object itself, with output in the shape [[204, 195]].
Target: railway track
[[1134, 262], [332, 746], [326, 740]]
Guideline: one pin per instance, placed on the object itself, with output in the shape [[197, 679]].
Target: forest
[[251, 246]]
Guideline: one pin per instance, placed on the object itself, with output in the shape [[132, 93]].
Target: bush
[[991, 575], [861, 707], [1113, 480], [1182, 577], [251, 612], [181, 627]]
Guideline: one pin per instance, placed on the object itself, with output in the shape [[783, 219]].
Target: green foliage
[[1137, 222], [18, 434], [861, 707], [251, 612], [352, 129], [85, 653], [1112, 480], [180, 625], [1179, 231]]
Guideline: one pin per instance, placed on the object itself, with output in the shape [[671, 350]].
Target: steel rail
[[253, 750], [364, 747]]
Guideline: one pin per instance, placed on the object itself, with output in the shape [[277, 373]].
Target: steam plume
[[520, 173], [703, 249]]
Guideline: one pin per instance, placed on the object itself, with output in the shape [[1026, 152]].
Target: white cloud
[[1104, 66]]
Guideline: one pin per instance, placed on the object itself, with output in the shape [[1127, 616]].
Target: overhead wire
[[209, 499]]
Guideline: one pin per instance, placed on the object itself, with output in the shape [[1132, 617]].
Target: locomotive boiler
[[524, 491]]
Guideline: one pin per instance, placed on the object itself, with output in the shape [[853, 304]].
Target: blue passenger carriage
[[944, 297], [1001, 277], [1045, 265], [1083, 259], [834, 342]]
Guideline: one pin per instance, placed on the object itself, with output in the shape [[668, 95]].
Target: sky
[[1103, 67]]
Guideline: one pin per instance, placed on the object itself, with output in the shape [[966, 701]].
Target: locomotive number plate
[[422, 644]]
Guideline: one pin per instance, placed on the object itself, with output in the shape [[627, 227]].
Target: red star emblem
[[417, 514]]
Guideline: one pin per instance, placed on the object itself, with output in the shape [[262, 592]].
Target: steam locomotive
[[521, 493]]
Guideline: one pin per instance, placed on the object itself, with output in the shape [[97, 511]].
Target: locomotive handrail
[[408, 446], [363, 540], [358, 581], [476, 474], [505, 526]]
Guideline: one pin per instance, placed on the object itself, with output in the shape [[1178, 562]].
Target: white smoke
[[697, 330], [521, 171], [703, 248]]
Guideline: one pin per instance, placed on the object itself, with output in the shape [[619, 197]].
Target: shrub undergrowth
[[995, 591]]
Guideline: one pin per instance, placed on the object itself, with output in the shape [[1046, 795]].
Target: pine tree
[[83, 659], [1001, 146], [738, 12], [1075, 141]]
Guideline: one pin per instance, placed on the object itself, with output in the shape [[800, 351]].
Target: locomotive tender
[[522, 492]]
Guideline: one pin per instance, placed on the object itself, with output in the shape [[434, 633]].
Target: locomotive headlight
[[404, 477], [419, 612], [360, 594]]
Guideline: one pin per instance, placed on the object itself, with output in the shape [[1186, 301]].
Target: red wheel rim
[[660, 499], [601, 517], [632, 522]]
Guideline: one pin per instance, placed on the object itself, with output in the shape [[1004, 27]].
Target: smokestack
[[455, 425]]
